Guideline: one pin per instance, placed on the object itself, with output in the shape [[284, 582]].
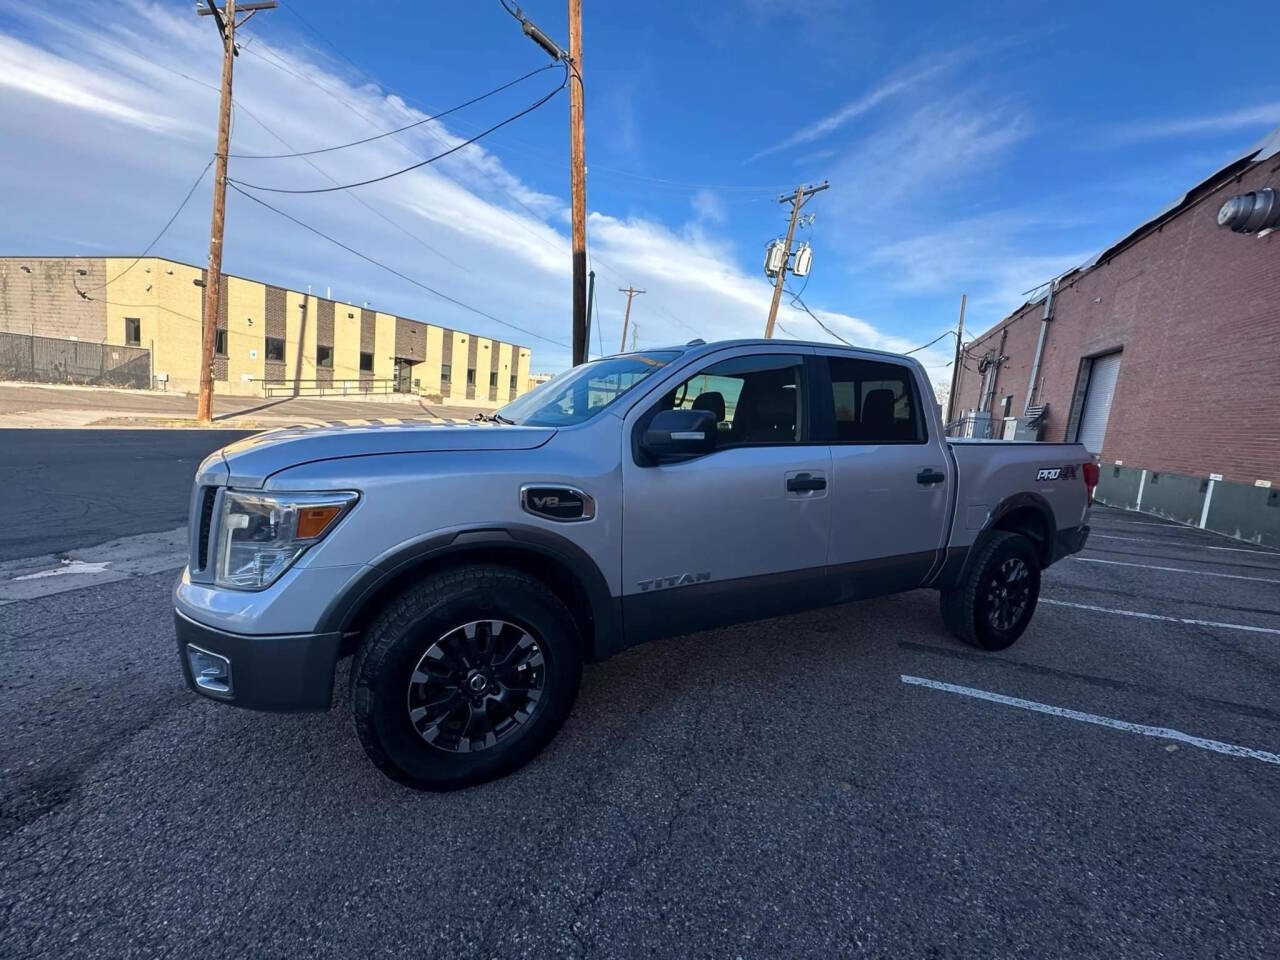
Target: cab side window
[[875, 402], [755, 399]]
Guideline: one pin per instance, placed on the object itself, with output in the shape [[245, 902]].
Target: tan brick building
[[267, 335]]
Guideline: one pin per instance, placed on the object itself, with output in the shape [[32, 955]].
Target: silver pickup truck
[[472, 568]]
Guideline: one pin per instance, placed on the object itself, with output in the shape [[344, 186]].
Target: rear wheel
[[464, 677], [996, 597]]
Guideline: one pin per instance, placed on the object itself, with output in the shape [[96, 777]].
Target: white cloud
[[894, 86], [708, 206], [112, 138], [1264, 115]]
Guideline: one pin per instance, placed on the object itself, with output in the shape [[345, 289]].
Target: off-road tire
[[408, 626], [966, 607]]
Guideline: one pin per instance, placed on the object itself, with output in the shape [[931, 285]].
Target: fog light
[[211, 673]]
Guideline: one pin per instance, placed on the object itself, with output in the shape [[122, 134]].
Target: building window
[[220, 343], [493, 380], [471, 376], [132, 332], [1006, 406], [513, 383], [324, 357], [366, 362], [275, 349], [446, 373]]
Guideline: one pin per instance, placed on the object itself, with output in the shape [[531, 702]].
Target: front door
[[891, 482], [739, 533]]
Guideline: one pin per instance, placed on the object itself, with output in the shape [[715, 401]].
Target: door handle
[[929, 475], [803, 482]]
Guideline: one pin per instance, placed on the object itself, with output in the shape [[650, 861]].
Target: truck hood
[[249, 462]]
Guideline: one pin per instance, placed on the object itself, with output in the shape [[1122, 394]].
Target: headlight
[[261, 534]]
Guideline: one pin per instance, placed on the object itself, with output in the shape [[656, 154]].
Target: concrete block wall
[[167, 298], [38, 295], [1238, 510]]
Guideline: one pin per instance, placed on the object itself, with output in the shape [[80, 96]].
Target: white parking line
[[1156, 616], [1194, 573], [1163, 733], [1179, 543]]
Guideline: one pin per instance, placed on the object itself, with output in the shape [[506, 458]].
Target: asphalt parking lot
[[846, 782]]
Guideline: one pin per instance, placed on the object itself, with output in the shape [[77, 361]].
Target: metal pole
[[591, 300], [955, 365]]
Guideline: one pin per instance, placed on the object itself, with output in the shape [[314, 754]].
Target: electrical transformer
[[774, 256], [802, 260]]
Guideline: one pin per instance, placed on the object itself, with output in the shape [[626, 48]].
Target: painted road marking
[[121, 559], [1157, 616], [1194, 573], [68, 567], [1163, 733], [1179, 543]]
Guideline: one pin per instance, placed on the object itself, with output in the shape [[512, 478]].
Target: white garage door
[[1097, 402]]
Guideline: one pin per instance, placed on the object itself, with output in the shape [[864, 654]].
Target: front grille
[[207, 498]]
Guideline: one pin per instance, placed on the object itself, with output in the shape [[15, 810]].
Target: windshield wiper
[[493, 418]]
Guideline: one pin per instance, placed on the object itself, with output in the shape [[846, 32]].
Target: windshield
[[584, 391]]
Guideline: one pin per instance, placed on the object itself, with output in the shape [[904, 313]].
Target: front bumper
[[281, 672]]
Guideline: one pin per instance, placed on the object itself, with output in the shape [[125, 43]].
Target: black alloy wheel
[[476, 685]]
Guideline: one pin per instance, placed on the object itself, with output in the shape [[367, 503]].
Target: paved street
[[72, 488], [846, 782]]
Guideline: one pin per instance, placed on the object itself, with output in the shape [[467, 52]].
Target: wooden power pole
[[630, 291], [797, 201], [225, 19], [577, 184]]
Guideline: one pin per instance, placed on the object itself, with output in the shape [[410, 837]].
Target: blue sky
[[977, 148]]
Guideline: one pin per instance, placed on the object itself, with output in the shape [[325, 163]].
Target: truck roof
[[703, 346]]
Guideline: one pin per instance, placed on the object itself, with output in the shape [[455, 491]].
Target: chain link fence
[[49, 360]]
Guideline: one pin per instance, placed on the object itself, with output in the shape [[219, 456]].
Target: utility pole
[[955, 366], [630, 291], [572, 59], [225, 19], [800, 198], [578, 184]]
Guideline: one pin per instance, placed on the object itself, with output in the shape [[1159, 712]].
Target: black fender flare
[[606, 611], [956, 565]]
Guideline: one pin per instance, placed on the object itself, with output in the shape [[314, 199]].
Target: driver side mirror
[[679, 434]]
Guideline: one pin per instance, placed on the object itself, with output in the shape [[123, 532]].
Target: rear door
[[738, 533], [890, 479]]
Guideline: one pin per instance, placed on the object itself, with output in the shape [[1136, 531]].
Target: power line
[[945, 333], [392, 270], [156, 239], [355, 196], [421, 163], [795, 298], [516, 221], [392, 133]]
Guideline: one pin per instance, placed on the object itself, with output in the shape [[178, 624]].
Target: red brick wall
[[1196, 310]]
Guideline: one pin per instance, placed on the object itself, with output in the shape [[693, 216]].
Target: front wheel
[[464, 677], [994, 601]]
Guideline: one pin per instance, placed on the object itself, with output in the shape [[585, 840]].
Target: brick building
[[267, 335], [1162, 354]]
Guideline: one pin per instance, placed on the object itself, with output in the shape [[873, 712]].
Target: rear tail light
[[1091, 472]]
